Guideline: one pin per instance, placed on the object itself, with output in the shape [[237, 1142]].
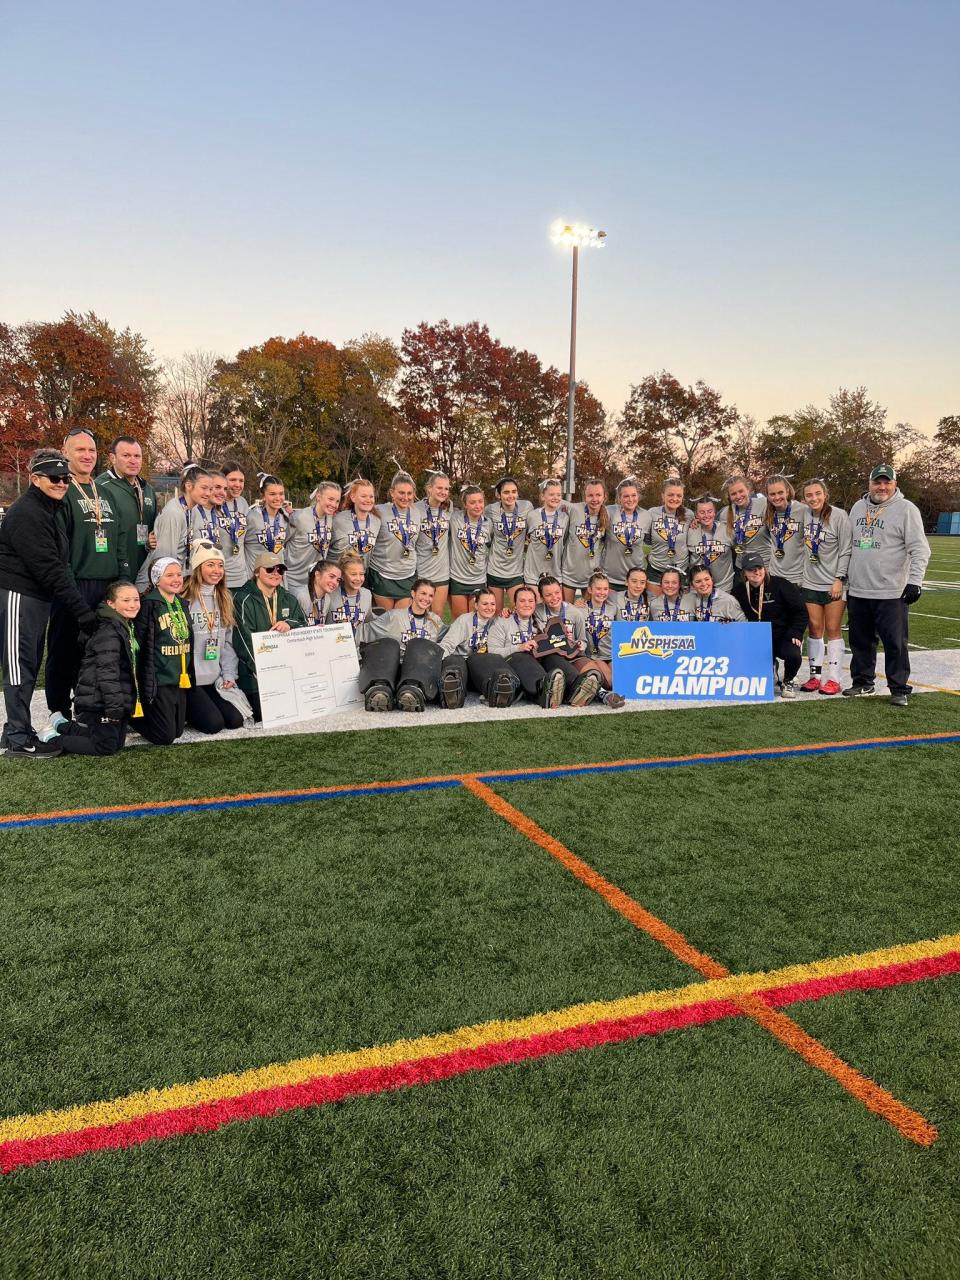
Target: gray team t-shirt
[[625, 550], [786, 542], [469, 548], [394, 555], [827, 547], [433, 542], [264, 533], [668, 539], [747, 528], [352, 532], [233, 531], [509, 539], [546, 532], [711, 548], [585, 547]]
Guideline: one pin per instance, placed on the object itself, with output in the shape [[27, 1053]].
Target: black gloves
[[911, 593]]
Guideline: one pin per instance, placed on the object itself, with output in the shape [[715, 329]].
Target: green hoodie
[[80, 510], [252, 615], [124, 498]]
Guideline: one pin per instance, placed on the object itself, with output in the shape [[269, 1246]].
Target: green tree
[[666, 429]]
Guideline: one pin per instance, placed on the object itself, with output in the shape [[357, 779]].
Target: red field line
[[904, 1119]]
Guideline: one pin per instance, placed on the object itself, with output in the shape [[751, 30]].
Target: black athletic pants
[[381, 664], [479, 670], [23, 621], [164, 717], [64, 649], [89, 736], [529, 672], [886, 621], [210, 713], [790, 654]]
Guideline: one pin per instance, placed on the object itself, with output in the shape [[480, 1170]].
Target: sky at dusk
[[780, 184]]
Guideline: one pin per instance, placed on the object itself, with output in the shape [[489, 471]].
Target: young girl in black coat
[[108, 692]]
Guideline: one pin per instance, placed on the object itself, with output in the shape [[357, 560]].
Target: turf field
[[671, 1017], [935, 618]]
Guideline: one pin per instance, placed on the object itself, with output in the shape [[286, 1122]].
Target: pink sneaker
[[830, 686], [811, 686]]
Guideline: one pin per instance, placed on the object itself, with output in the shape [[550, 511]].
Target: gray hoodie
[[890, 548]]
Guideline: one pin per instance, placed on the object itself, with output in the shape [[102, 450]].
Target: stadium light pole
[[574, 235]]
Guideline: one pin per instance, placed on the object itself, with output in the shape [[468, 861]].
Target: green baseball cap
[[883, 472]]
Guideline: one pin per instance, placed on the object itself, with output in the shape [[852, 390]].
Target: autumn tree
[[23, 417], [841, 443], [184, 430], [667, 429]]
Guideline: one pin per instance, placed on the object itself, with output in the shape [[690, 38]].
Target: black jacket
[[105, 685], [34, 554], [783, 605]]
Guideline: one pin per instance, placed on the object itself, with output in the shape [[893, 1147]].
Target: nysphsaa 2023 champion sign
[[702, 661]]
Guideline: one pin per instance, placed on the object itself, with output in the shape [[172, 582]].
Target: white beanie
[[158, 566]]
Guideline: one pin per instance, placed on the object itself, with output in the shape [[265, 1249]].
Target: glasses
[[276, 569], [64, 480]]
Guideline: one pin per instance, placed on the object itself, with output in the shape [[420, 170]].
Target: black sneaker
[[451, 690], [899, 700], [378, 697], [860, 691], [552, 690], [410, 698], [35, 751]]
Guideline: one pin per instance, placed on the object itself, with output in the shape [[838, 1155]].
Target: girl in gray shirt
[[744, 520], [708, 543], [471, 533], [785, 520], [827, 542], [392, 568], [509, 517], [356, 525], [268, 524], [546, 532], [311, 534], [433, 542], [629, 526], [586, 542]]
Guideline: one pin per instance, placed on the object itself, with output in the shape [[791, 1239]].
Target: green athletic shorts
[[392, 588], [504, 583], [464, 588], [817, 597]]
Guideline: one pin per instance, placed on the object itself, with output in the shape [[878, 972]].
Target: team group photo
[[480, 643]]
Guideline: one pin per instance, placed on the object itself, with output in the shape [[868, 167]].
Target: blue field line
[[201, 805], [742, 757], [248, 802]]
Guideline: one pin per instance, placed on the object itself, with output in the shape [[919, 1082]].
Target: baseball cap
[[752, 561], [269, 560], [883, 472]]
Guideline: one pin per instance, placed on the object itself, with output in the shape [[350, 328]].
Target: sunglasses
[[64, 480], [276, 569]]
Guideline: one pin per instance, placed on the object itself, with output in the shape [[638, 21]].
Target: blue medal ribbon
[[322, 533], [473, 539], [363, 543], [271, 530], [524, 635], [596, 625], [740, 519], [433, 525], [630, 532], [420, 635], [403, 530], [816, 536], [705, 558], [672, 528], [591, 532], [704, 611], [509, 530], [780, 528], [479, 637], [235, 521], [671, 617], [636, 610]]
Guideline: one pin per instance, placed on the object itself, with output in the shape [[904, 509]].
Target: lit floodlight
[[578, 235]]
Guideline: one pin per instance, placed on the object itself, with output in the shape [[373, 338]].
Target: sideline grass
[[312, 760]]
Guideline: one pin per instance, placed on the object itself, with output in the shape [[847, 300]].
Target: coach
[[134, 501], [887, 564], [33, 573], [765, 598]]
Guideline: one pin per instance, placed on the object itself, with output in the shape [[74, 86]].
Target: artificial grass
[[779, 861], [192, 948], [702, 1154], [317, 760], [154, 950]]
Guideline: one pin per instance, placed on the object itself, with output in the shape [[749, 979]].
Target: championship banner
[[706, 661], [305, 673]]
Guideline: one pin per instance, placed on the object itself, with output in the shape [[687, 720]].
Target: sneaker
[[611, 699], [501, 690], [811, 686], [860, 691], [35, 751], [899, 700], [789, 690], [410, 698], [829, 687], [585, 689], [378, 697], [552, 690], [53, 727], [451, 690]]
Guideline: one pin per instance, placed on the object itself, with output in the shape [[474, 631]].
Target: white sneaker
[[789, 689], [52, 729]]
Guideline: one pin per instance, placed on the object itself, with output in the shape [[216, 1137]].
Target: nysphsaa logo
[[643, 641]]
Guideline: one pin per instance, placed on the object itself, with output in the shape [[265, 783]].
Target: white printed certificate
[[306, 673]]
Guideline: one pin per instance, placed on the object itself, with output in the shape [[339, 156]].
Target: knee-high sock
[[815, 654], [834, 658]]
